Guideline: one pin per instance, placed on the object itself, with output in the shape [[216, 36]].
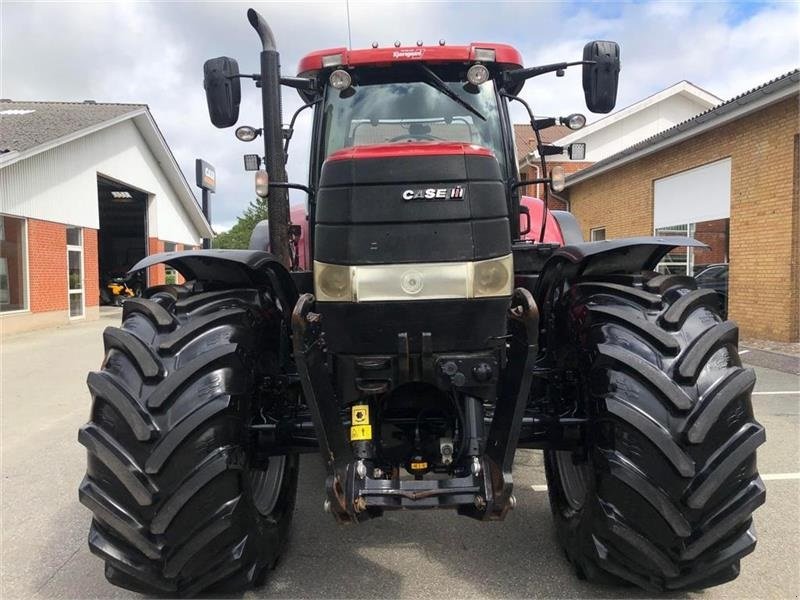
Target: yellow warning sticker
[[360, 414], [360, 432], [419, 466]]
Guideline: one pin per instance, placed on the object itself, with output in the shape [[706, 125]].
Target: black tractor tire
[[105, 297], [664, 493], [179, 504]]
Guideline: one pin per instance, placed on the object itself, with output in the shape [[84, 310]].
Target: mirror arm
[[308, 84], [545, 123], [527, 182], [290, 130], [542, 161], [292, 186], [517, 75]]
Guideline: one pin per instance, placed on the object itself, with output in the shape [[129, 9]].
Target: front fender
[[233, 268], [596, 259], [618, 256]]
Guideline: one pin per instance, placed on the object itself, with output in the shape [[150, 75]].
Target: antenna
[[349, 36]]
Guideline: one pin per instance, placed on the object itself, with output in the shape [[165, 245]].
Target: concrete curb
[[786, 363]]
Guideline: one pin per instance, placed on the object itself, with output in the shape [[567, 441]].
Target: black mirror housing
[[601, 75], [223, 90]]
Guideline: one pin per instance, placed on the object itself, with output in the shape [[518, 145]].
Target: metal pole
[[207, 214]]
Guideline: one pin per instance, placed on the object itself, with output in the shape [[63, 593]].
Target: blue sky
[[153, 52]]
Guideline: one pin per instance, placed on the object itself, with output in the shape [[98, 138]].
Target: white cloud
[[154, 52]]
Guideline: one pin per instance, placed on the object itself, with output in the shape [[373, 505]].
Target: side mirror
[[223, 90], [600, 79]]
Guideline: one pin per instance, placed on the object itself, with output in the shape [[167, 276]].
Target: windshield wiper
[[433, 80]]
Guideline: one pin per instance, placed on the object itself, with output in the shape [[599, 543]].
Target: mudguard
[[621, 256], [615, 256], [232, 268]]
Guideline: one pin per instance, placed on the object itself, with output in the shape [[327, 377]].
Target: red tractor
[[444, 323]]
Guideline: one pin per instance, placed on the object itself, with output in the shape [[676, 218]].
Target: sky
[[153, 53]]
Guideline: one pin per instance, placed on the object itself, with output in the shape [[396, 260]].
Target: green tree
[[238, 236]]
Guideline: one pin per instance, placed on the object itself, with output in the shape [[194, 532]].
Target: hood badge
[[452, 193]]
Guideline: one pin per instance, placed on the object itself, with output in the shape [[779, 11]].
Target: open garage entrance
[[122, 238]]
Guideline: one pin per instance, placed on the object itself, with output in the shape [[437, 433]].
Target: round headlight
[[333, 281], [558, 179], [245, 133], [477, 74], [412, 282], [574, 121], [340, 79], [491, 278]]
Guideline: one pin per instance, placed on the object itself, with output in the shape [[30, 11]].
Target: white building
[[86, 190]]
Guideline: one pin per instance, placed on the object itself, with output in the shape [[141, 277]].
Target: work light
[[576, 151], [477, 74], [252, 162], [340, 79], [245, 133], [574, 121]]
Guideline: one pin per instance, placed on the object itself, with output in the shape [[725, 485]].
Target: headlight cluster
[[421, 281]]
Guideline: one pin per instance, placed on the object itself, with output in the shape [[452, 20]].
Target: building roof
[[738, 106], [526, 141], [566, 136], [29, 128], [24, 125]]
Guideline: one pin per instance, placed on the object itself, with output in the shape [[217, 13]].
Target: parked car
[[715, 277]]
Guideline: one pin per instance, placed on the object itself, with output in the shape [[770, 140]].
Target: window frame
[[82, 290], [26, 296], [168, 270], [594, 230]]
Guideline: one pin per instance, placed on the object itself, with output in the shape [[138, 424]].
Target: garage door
[[694, 203]]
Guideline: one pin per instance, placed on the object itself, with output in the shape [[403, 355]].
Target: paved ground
[[44, 552]]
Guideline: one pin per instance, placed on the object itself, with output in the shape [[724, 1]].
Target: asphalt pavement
[[44, 554]]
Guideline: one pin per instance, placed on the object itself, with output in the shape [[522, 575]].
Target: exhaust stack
[[275, 160]]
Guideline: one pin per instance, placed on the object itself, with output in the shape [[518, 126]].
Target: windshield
[[412, 111]]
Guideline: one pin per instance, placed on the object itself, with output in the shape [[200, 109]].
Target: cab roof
[[505, 56]]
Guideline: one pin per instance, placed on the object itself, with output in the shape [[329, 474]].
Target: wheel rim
[[573, 480], [266, 484]]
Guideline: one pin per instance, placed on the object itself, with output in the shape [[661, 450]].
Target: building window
[[691, 261], [75, 271], [170, 274], [13, 264], [598, 234]]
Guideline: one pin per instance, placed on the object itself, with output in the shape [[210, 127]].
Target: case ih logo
[[409, 53], [453, 193]]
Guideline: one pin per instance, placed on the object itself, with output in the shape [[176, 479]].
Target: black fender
[[231, 268], [609, 257], [570, 230]]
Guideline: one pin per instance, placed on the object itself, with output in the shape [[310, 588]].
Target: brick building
[[729, 177], [86, 190]]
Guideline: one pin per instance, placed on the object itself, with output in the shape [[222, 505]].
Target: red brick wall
[[91, 275], [47, 265], [156, 275]]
